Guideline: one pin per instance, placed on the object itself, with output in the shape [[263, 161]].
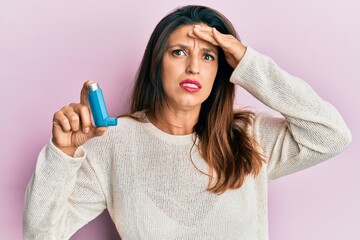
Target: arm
[[312, 130], [64, 192], [62, 196]]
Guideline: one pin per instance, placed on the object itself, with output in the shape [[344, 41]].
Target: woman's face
[[189, 70]]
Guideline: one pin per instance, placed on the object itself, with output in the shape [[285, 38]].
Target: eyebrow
[[183, 46]]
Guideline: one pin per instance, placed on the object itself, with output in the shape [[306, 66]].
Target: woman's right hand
[[72, 125]]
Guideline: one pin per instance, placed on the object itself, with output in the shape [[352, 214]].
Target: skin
[[72, 125], [185, 58], [188, 57]]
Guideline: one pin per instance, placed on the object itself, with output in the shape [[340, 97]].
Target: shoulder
[[127, 126], [128, 123]]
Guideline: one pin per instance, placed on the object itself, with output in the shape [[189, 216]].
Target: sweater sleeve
[[62, 196], [311, 131]]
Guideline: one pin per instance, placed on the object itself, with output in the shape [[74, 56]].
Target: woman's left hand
[[234, 50]]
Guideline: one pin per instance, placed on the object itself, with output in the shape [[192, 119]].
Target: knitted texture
[[146, 180]]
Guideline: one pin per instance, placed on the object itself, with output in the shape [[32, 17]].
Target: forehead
[[180, 35]]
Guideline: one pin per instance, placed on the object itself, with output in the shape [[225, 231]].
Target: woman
[[184, 164]]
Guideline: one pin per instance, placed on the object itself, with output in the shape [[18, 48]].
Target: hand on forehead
[[233, 49], [203, 32]]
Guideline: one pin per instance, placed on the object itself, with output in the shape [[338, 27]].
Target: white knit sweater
[[146, 180]]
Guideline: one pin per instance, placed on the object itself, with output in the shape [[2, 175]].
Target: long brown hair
[[224, 142]]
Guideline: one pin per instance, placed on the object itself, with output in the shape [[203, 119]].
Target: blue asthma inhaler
[[98, 107]]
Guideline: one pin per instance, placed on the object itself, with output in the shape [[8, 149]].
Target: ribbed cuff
[[79, 155]]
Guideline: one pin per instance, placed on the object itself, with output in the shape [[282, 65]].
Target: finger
[[73, 118], [218, 37], [230, 44], [226, 41], [204, 34], [84, 93], [85, 116], [100, 131], [62, 121], [204, 28]]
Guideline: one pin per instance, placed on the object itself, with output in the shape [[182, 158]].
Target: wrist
[[70, 151], [243, 49]]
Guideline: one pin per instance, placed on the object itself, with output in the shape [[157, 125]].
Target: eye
[[178, 52], [208, 57]]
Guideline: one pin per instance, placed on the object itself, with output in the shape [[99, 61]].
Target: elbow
[[346, 138], [28, 231], [340, 141], [332, 141]]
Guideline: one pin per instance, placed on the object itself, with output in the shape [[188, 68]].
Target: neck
[[175, 122]]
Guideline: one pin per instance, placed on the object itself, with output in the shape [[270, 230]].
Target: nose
[[193, 66]]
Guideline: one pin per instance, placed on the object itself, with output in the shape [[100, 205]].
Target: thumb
[[95, 132]]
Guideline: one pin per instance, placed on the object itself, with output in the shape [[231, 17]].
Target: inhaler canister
[[98, 107]]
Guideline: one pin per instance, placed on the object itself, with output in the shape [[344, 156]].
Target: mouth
[[190, 85]]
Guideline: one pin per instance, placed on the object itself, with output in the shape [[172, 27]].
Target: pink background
[[49, 48]]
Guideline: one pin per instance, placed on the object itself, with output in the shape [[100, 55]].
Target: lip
[[185, 85]]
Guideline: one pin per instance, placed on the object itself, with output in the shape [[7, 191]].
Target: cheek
[[169, 80], [170, 68], [165, 74], [209, 86], [212, 74]]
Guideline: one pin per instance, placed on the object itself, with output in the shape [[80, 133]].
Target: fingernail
[[86, 130], [197, 27]]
